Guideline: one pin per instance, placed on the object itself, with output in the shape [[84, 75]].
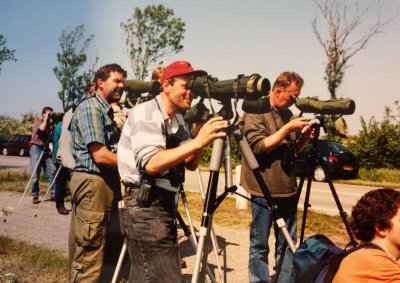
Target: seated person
[[376, 220]]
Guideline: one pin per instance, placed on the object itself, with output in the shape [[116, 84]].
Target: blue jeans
[[259, 234], [152, 238], [46, 163]]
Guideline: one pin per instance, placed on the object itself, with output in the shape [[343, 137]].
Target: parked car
[[339, 160], [20, 145]]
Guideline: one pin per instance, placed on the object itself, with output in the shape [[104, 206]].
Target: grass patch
[[20, 262], [16, 182]]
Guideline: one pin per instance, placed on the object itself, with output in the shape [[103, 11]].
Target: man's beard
[[115, 96]]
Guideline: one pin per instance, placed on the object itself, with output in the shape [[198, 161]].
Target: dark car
[[20, 145], [340, 161]]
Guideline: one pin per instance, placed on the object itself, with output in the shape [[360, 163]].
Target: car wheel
[[22, 152], [319, 174], [5, 152]]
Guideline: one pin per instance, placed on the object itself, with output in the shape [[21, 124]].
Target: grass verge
[[20, 262]]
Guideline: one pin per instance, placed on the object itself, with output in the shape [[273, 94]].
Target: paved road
[[15, 163], [321, 197]]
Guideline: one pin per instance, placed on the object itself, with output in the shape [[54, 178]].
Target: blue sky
[[225, 38]]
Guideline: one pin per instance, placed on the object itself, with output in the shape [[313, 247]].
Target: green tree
[[150, 35], [70, 62], [5, 53], [345, 37], [378, 143], [9, 127]]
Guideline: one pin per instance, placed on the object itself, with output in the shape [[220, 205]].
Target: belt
[[130, 187]]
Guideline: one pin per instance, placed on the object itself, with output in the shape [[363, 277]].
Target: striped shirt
[[144, 135], [91, 123]]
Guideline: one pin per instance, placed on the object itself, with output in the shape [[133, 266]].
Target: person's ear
[[379, 232], [100, 83], [166, 86], [278, 92]]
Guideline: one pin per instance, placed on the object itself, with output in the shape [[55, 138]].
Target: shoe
[[62, 210], [35, 200]]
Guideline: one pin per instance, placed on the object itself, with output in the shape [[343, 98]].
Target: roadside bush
[[380, 175], [378, 143]]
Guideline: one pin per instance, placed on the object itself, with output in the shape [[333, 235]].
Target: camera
[[55, 117]]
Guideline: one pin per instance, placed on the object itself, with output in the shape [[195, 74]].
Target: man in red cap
[[153, 145]]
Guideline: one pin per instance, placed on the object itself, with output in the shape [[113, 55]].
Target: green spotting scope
[[252, 87], [342, 106], [138, 87]]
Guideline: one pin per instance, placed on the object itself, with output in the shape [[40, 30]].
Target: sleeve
[[255, 130], [90, 121]]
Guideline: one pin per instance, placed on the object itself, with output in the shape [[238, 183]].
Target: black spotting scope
[[341, 106], [252, 87]]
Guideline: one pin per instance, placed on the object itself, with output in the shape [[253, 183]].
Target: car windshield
[[337, 147]]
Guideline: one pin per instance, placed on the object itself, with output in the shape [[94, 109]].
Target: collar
[[105, 106], [169, 123]]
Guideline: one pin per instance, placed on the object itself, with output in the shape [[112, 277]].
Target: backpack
[[318, 259], [64, 155]]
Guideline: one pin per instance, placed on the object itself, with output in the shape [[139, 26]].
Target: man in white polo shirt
[[154, 142]]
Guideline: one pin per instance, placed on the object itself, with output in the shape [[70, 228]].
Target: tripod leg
[[209, 206], [214, 238], [185, 204], [33, 172], [193, 241], [306, 206], [342, 213], [119, 263], [253, 164], [48, 190]]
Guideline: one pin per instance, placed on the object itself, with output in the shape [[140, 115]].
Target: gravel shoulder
[[50, 230]]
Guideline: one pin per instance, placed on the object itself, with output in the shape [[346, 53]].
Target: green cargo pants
[[97, 239]]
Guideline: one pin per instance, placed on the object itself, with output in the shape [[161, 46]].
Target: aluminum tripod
[[212, 203]]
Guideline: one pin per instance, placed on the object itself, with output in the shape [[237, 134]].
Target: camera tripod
[[212, 202], [314, 159], [36, 168]]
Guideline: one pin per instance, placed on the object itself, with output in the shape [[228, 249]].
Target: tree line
[[154, 32]]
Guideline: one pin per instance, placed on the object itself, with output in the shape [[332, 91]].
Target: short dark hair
[[46, 108], [375, 209], [285, 79], [105, 71]]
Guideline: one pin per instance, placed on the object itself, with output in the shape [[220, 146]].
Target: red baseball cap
[[180, 68]]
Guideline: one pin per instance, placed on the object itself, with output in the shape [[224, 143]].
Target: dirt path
[[50, 230]]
